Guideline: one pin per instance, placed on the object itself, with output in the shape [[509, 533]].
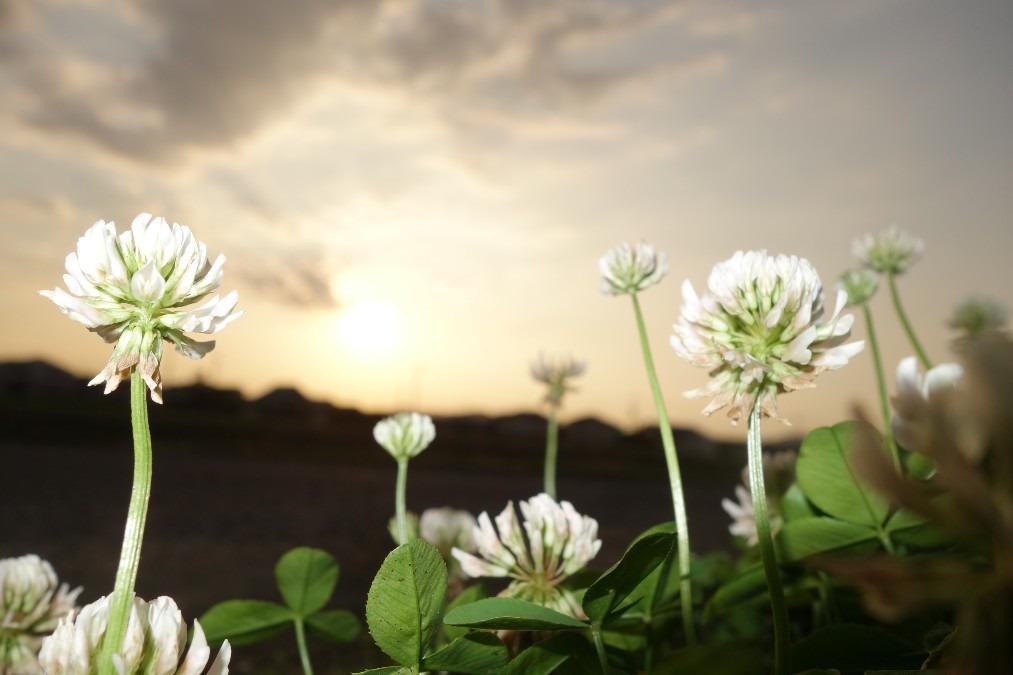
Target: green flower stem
[[895, 296], [884, 403], [782, 639], [304, 654], [137, 513], [674, 480], [399, 501], [599, 648], [551, 450]]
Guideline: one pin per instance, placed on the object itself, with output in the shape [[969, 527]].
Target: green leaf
[[306, 578], [802, 538], [826, 476], [386, 670], [913, 529], [640, 559], [795, 506], [561, 653], [474, 654], [468, 595], [511, 614], [244, 622], [336, 625], [749, 585], [713, 660], [405, 600], [854, 648]]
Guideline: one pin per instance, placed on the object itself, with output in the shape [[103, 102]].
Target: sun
[[369, 328]]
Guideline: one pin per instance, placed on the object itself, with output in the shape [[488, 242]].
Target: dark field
[[233, 490]]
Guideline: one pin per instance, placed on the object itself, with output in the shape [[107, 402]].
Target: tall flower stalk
[[556, 375], [765, 540], [891, 253], [137, 515], [403, 436], [759, 331], [626, 270], [132, 289], [861, 285]]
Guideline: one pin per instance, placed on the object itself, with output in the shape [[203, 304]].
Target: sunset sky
[[413, 195]]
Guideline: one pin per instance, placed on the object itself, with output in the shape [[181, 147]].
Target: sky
[[412, 196]]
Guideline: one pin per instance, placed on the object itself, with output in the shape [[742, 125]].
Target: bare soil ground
[[217, 525]]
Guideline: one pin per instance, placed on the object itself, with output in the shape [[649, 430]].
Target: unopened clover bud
[[405, 435], [630, 269]]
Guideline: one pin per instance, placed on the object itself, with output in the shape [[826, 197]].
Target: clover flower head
[[32, 602], [154, 643], [891, 251], [743, 516], [405, 435], [978, 315], [860, 284], [556, 374], [631, 269], [778, 476], [447, 528], [919, 399], [132, 289], [778, 472], [559, 542], [760, 330]]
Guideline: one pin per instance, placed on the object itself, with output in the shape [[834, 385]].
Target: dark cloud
[[222, 70], [301, 281]]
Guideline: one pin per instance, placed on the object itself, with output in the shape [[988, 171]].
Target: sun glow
[[370, 328]]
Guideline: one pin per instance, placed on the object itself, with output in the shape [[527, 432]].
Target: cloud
[[211, 74], [301, 280]]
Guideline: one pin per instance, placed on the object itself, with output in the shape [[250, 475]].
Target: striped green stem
[[674, 480], [782, 638], [133, 535]]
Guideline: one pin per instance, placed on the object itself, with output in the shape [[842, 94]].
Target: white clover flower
[[891, 251], [405, 435], [778, 476], [758, 330], [860, 285], [32, 602], [630, 269], [559, 543], [556, 373], [977, 315], [446, 529], [918, 399], [154, 643], [131, 289], [743, 517]]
